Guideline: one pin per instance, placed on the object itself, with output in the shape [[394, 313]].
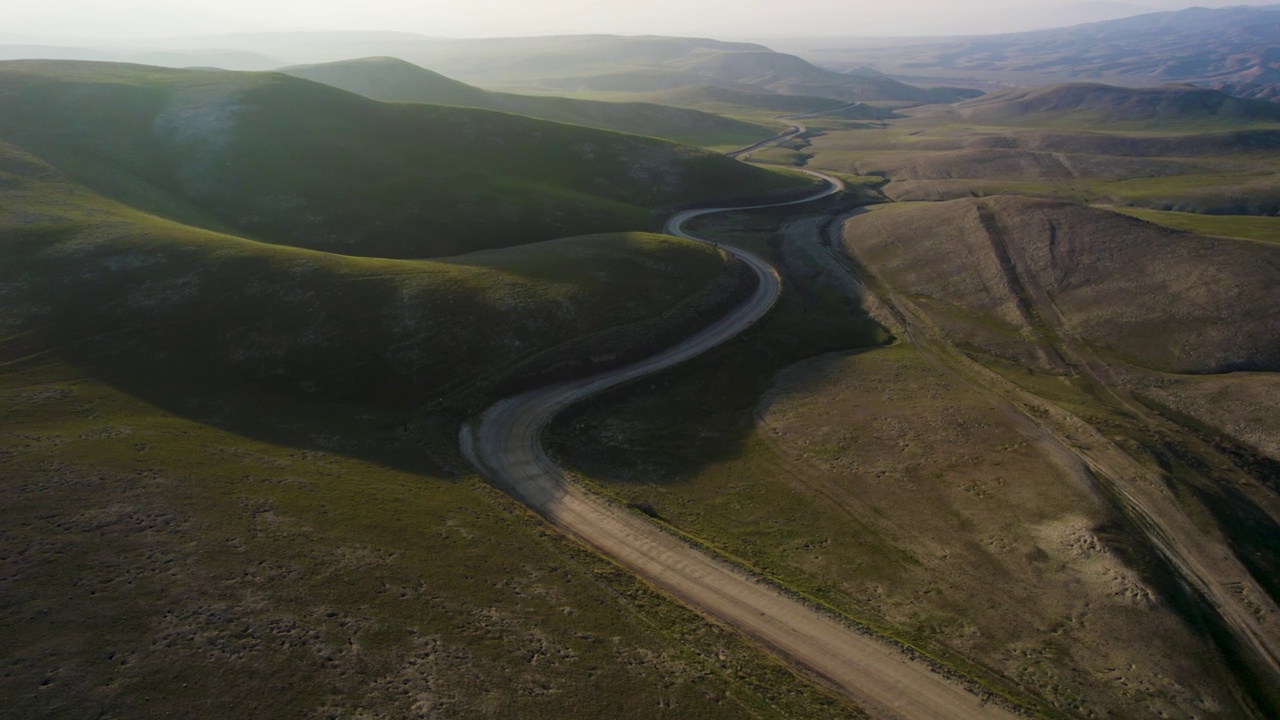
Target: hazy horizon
[[130, 20]]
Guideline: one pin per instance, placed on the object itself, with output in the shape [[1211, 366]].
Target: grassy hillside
[[879, 485], [1011, 272], [114, 287], [720, 99], [285, 160], [162, 565], [390, 79], [1247, 227], [232, 464], [1211, 162], [211, 480], [606, 63], [883, 484], [1083, 104]]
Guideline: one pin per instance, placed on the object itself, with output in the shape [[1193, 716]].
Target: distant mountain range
[[612, 63], [1160, 107], [393, 80], [1235, 49], [565, 64]]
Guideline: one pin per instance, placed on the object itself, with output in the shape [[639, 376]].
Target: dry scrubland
[[1006, 274], [1067, 303], [1171, 149], [1218, 173], [928, 489], [905, 496]]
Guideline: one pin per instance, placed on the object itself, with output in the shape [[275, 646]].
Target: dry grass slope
[[897, 493], [1155, 297]]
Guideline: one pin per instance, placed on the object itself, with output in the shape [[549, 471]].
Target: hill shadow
[[662, 429]]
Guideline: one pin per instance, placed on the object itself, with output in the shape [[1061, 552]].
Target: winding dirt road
[[506, 448]]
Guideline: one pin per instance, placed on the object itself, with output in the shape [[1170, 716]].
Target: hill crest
[[395, 80], [285, 160], [1174, 104]]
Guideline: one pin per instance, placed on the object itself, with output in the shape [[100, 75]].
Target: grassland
[[233, 462], [898, 494], [862, 479], [231, 484], [1246, 227], [949, 162], [108, 286], [285, 160], [393, 80], [157, 564], [1077, 105], [610, 63]]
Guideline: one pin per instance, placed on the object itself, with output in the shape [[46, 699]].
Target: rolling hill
[[720, 99], [1165, 107], [1169, 148], [289, 161], [1010, 271], [114, 288], [605, 63], [390, 79], [145, 200], [594, 64], [232, 462], [1232, 49]]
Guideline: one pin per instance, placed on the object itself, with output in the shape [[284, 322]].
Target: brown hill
[[1233, 49], [1011, 272], [1170, 104]]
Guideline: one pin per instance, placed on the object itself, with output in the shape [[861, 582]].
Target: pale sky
[[728, 19]]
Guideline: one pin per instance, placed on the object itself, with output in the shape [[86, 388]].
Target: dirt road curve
[[506, 448]]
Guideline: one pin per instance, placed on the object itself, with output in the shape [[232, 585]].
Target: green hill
[[1082, 104], [130, 295], [611, 63], [713, 98], [288, 161], [232, 463], [227, 463], [390, 79]]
